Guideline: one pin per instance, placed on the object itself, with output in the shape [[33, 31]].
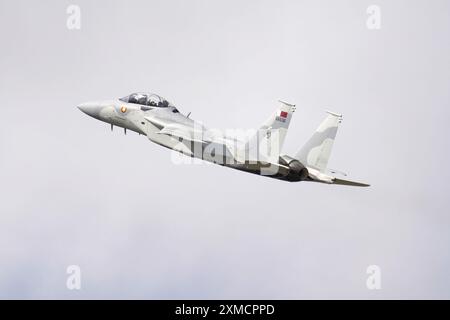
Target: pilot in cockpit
[[146, 99]]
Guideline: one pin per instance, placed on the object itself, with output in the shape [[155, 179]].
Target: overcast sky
[[140, 226]]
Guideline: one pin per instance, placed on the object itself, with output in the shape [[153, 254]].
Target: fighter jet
[[257, 152]]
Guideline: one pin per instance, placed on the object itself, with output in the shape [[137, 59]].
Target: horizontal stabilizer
[[333, 172], [350, 183]]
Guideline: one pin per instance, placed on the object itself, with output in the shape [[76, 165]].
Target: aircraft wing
[[182, 133], [178, 130], [157, 123]]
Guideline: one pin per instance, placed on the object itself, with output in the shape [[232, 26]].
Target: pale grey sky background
[[139, 226]]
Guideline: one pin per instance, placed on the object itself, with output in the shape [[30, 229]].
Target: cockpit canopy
[[147, 99]]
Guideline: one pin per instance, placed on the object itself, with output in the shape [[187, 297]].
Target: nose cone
[[91, 109]]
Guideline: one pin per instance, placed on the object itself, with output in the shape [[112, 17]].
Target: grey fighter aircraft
[[259, 152]]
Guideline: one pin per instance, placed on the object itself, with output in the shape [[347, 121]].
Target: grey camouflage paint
[[317, 150]]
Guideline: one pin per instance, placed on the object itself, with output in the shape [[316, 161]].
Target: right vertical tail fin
[[317, 150]]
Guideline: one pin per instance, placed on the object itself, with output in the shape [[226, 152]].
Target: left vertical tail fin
[[271, 135]]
